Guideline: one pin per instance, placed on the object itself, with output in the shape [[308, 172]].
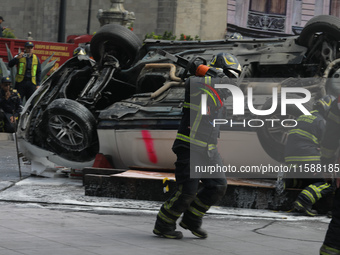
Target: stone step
[[150, 185]]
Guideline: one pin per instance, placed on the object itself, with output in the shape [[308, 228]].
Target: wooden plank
[[251, 182], [171, 176], [145, 175]]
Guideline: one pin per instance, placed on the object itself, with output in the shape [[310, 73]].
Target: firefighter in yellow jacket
[[28, 71]]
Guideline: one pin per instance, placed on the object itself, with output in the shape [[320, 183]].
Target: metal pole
[[62, 21], [89, 18], [16, 144]]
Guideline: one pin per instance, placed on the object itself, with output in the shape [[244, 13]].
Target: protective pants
[[25, 89], [187, 199], [5, 124], [312, 193], [331, 244]]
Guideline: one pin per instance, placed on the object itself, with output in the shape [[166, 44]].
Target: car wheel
[[117, 41], [273, 135], [70, 130], [326, 24]]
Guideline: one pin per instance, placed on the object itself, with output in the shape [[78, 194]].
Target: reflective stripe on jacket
[[22, 69], [303, 144]]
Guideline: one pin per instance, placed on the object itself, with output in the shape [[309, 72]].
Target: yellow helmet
[[79, 51]]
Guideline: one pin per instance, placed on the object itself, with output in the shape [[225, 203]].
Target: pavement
[[52, 216]]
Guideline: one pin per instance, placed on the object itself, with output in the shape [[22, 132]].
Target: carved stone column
[[116, 15]]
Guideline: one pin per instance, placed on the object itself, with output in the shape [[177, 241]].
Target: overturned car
[[127, 102]]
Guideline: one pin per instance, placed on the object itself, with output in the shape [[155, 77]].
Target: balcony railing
[[269, 22]]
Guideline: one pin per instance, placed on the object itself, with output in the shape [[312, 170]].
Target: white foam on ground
[[69, 193]]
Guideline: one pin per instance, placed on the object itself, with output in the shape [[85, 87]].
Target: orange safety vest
[[22, 69]]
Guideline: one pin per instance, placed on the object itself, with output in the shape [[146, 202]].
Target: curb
[[6, 136]]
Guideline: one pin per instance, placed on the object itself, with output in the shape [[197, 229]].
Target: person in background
[[329, 157], [236, 36], [303, 147], [10, 106], [1, 27], [28, 76]]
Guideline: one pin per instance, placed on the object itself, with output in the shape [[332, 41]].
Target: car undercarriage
[[133, 85]]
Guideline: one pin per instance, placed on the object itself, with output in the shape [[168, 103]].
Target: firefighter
[[303, 147], [10, 105], [28, 76], [329, 146], [79, 51], [196, 144], [236, 36]]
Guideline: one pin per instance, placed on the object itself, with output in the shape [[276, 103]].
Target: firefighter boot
[[326, 250], [304, 208], [166, 229], [170, 211], [166, 223], [193, 223]]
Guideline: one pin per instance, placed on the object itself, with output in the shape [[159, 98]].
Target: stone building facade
[[204, 18], [276, 17], [41, 17]]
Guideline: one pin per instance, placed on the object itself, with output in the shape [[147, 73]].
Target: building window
[[269, 6], [267, 15], [335, 8]]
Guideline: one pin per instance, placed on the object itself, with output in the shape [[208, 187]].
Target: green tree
[[170, 36], [8, 33]]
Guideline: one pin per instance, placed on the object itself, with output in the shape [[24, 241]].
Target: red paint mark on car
[[148, 141]]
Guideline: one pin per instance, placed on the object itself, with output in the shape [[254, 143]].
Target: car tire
[[117, 41], [70, 130], [273, 138], [322, 23]]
